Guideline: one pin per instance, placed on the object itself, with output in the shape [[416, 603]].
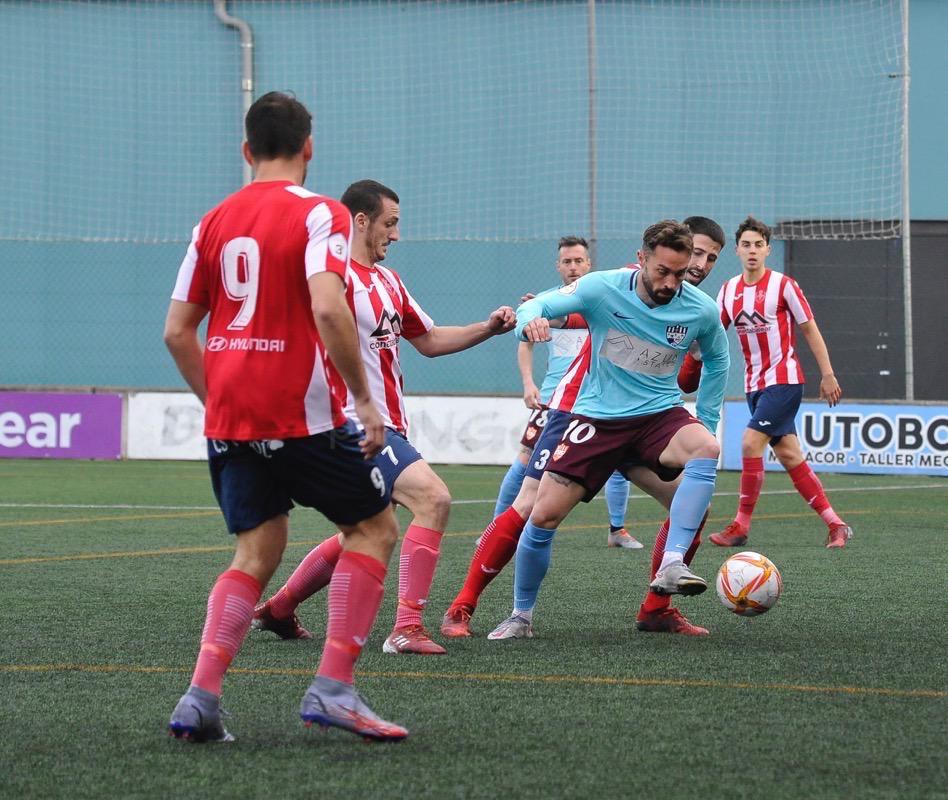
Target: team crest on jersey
[[675, 334], [531, 432], [560, 451], [568, 289]]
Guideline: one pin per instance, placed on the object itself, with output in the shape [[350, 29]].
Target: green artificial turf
[[839, 691]]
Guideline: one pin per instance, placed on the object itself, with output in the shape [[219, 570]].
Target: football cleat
[[838, 535], [334, 704], [197, 718], [676, 578], [456, 623], [734, 535], [412, 639], [623, 539], [287, 628], [667, 620], [515, 627]]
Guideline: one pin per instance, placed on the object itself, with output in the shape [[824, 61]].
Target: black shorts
[[256, 481]]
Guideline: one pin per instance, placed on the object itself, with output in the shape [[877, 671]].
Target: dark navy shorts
[[774, 410], [256, 481], [551, 433], [397, 455], [535, 426]]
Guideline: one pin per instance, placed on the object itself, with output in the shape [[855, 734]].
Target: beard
[[660, 298]]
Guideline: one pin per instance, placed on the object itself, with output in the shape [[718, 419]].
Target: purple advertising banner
[[58, 425]]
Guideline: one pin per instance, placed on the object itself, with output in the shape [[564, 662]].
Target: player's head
[[278, 126], [374, 209], [753, 244], [709, 240], [572, 259], [664, 257]]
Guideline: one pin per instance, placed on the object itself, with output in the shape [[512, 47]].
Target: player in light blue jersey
[[568, 337], [629, 412]]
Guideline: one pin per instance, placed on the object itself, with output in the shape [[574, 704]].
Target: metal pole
[[593, 154], [246, 76], [906, 213]]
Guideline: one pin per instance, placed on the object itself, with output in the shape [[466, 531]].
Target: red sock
[[497, 547], [659, 602], [355, 594], [229, 612], [312, 574], [810, 488], [416, 569], [752, 481]]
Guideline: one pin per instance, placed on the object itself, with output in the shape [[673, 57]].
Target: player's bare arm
[[442, 340], [181, 338], [830, 390], [337, 331], [531, 393]]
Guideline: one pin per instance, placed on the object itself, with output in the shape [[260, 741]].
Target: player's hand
[[502, 320], [830, 390], [374, 429], [537, 330], [527, 296], [531, 396]]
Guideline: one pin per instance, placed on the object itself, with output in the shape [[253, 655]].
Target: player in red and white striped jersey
[[270, 265], [385, 313], [765, 306]]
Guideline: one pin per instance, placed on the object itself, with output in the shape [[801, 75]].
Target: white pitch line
[[636, 496]]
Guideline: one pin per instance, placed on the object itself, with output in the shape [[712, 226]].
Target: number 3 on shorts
[[579, 432], [540, 463]]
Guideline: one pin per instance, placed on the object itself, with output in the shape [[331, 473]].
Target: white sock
[[670, 557]]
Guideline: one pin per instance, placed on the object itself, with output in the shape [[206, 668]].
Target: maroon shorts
[[535, 426], [592, 449]]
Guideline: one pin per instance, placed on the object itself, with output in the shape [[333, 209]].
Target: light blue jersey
[[637, 350]]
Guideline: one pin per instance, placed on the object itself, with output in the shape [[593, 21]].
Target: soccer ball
[[749, 584]]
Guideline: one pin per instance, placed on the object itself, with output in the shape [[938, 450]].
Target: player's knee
[[438, 500], [708, 449]]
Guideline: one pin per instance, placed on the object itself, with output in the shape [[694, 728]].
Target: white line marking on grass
[[636, 496]]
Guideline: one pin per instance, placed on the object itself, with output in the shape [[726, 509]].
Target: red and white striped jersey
[[567, 390], [384, 312], [763, 315], [268, 376]]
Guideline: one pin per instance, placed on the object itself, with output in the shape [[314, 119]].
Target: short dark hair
[[751, 224], [572, 241], [705, 226], [365, 197], [277, 126], [668, 233]]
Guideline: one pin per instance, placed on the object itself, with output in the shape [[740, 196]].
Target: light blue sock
[[532, 561], [510, 487], [617, 499], [691, 500]]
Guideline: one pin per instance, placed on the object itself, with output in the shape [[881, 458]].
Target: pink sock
[[309, 577], [752, 481], [229, 612], [810, 488], [416, 569], [355, 594]]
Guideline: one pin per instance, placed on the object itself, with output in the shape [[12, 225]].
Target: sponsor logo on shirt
[[638, 355], [386, 333], [746, 323], [216, 344]]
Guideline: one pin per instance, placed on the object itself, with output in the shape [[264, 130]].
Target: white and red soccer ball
[[749, 584]]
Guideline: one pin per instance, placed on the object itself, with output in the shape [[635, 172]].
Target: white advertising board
[[165, 425]]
